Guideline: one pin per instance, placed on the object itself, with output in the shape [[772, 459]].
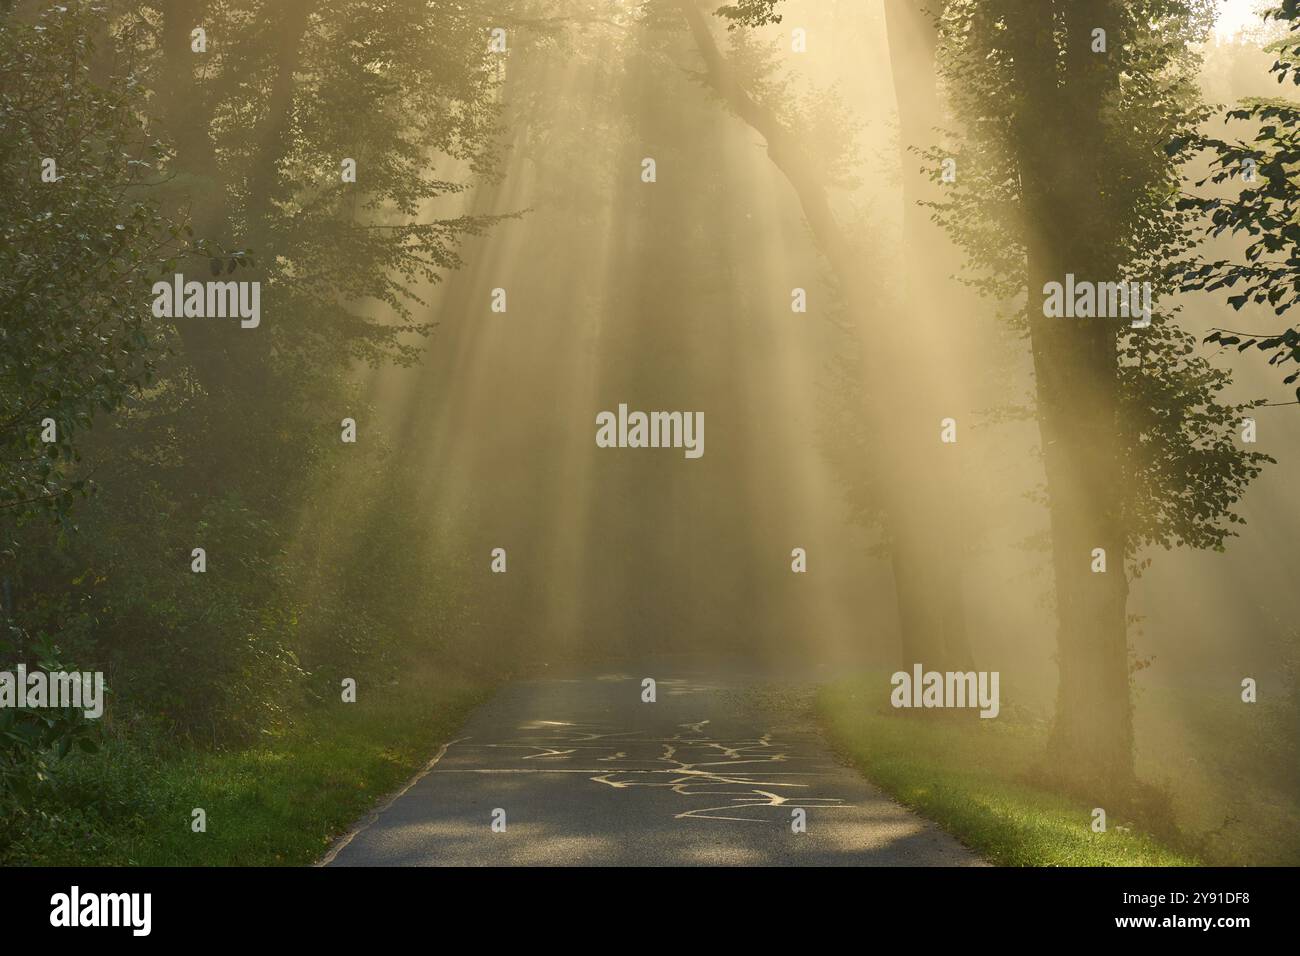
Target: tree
[[1068, 108], [241, 138], [79, 240], [259, 114]]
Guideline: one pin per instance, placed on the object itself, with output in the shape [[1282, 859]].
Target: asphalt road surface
[[588, 774]]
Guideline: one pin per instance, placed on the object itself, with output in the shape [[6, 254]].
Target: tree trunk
[[1076, 371]]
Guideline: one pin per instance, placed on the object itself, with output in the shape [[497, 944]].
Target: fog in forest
[[677, 296], [823, 230]]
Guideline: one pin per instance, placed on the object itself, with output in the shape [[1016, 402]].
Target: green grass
[[975, 778], [280, 803]]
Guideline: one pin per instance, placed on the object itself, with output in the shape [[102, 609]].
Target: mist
[[662, 340]]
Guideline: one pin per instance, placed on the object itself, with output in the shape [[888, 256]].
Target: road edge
[[342, 842]]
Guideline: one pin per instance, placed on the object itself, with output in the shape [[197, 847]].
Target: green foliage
[[204, 655], [75, 335], [750, 13], [76, 338], [1183, 469], [33, 742], [1266, 209], [257, 139], [169, 161]]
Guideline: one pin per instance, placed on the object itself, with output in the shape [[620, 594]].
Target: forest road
[[581, 771]]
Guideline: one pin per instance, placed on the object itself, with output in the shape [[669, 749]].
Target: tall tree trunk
[[1076, 371]]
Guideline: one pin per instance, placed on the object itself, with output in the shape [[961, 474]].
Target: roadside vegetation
[[984, 782], [279, 802]]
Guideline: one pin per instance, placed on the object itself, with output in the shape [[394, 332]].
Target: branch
[[785, 151]]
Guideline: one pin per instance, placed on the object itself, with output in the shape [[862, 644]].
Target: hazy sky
[[1235, 14]]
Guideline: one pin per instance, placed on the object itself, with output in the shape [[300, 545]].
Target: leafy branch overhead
[[1265, 211]]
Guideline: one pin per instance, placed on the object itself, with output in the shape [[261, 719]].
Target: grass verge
[[975, 778], [278, 803]]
